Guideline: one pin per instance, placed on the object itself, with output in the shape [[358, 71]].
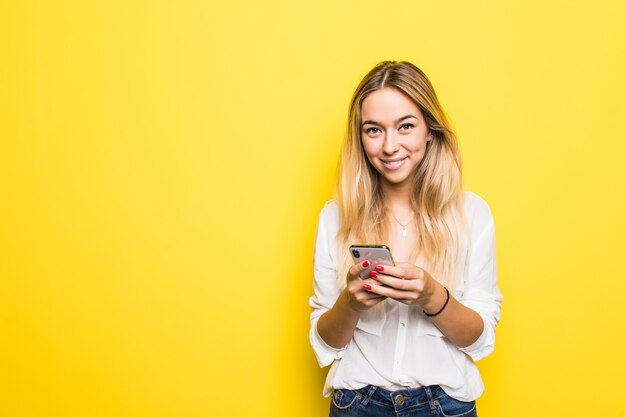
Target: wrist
[[443, 307], [435, 297], [348, 304]]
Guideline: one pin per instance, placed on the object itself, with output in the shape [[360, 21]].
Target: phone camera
[[356, 253]]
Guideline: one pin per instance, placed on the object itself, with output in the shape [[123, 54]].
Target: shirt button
[[402, 325]]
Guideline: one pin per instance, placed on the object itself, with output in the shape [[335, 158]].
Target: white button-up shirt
[[395, 346]]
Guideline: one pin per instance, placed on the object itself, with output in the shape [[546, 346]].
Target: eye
[[406, 126], [372, 130]]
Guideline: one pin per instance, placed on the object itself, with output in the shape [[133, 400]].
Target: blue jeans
[[371, 401]]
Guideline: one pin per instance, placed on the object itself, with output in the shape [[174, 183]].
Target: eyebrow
[[371, 122]]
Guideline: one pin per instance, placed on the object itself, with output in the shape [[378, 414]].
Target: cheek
[[418, 144], [370, 148], [421, 148]]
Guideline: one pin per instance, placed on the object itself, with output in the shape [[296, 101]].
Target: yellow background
[[163, 164]]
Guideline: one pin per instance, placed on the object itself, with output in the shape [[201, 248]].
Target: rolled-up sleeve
[[325, 285], [481, 292]]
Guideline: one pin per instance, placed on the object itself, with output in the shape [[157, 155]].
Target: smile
[[394, 164]]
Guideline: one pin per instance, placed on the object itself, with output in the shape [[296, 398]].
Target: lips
[[393, 164]]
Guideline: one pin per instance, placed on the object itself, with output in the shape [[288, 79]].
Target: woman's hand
[[404, 282], [336, 326], [357, 293], [412, 285]]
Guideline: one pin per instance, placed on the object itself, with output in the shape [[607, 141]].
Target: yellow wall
[[162, 166]]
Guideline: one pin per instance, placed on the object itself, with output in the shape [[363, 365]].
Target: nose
[[391, 144]]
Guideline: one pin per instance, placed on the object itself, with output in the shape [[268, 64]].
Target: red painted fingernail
[[379, 268], [366, 264], [373, 274], [367, 286]]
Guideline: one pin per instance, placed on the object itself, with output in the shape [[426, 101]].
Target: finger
[[393, 282], [371, 300], [364, 298], [367, 290], [356, 269], [406, 271], [390, 292], [365, 286], [369, 296], [368, 281], [362, 285]]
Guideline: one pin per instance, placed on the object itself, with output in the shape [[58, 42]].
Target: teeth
[[394, 163]]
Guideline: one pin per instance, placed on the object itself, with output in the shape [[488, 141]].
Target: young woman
[[403, 340]]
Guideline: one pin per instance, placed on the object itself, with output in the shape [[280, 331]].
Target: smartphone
[[375, 254]]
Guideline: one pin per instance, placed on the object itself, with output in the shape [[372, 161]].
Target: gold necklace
[[403, 225]]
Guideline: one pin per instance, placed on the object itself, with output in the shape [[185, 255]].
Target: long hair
[[436, 193]]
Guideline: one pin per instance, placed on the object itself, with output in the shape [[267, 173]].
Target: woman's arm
[[335, 313], [337, 325], [470, 321], [412, 285], [460, 324]]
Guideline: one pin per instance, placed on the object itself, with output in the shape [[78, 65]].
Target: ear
[[430, 136]]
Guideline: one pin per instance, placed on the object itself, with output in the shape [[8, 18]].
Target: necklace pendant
[[404, 232]]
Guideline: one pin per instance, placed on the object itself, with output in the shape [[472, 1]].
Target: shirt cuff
[[324, 353], [483, 346]]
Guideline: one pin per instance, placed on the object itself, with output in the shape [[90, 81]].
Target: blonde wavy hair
[[436, 196]]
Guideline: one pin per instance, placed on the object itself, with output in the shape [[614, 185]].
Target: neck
[[400, 215], [397, 197]]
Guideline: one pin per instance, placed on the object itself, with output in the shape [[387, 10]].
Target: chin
[[395, 180]]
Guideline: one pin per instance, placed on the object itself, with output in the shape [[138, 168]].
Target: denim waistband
[[405, 398]]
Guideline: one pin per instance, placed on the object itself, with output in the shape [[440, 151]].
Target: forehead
[[388, 104]]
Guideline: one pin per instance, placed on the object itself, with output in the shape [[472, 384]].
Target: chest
[[403, 244]]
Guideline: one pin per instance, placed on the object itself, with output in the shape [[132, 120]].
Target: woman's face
[[394, 135]]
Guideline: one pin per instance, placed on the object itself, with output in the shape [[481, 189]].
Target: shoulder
[[329, 215], [476, 210], [330, 211], [327, 230], [473, 203]]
